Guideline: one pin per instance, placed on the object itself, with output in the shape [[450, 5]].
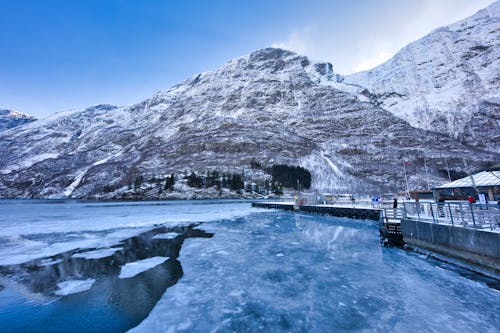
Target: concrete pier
[[274, 205], [475, 247], [339, 211]]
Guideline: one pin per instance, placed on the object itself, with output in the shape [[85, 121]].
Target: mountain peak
[[101, 107], [14, 114], [11, 118], [447, 81], [271, 53]]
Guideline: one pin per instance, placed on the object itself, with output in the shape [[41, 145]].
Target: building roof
[[484, 178]]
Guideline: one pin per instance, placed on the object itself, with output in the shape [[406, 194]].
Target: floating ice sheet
[[98, 254], [40, 229], [133, 268], [74, 286], [168, 235], [50, 262]]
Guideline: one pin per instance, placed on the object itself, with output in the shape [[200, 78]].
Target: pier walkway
[[475, 216], [356, 211]]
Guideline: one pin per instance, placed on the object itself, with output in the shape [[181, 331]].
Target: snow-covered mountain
[[272, 106], [9, 119], [447, 81]]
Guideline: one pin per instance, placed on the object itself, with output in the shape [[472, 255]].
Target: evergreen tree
[[236, 182], [291, 176], [194, 181], [169, 182], [138, 182]]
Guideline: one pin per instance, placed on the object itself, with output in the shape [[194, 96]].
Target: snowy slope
[[272, 106], [448, 81], [9, 119]]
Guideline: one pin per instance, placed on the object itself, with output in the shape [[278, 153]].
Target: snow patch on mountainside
[[69, 190], [28, 162], [448, 81], [322, 73]]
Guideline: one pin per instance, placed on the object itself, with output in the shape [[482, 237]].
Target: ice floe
[[133, 268], [43, 229], [73, 286], [168, 235], [97, 254]]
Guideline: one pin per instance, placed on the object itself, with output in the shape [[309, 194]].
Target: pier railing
[[454, 213]]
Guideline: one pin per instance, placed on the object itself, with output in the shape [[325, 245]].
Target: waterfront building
[[485, 183]]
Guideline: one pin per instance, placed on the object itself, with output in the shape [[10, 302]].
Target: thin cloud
[[373, 62], [300, 42], [369, 40]]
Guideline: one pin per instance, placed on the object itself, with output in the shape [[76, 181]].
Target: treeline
[[233, 181], [291, 176], [288, 176], [282, 176], [136, 182]]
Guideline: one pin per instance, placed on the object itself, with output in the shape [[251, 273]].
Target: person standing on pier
[[395, 203]]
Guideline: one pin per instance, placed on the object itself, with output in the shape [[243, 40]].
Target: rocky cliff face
[[272, 106], [448, 81], [9, 119]]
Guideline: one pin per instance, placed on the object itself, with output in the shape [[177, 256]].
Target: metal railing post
[[472, 214], [451, 214], [464, 223], [432, 213], [417, 206]]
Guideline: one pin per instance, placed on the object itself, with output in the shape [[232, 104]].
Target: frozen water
[[97, 254], [74, 286], [232, 268], [49, 262], [133, 268], [283, 272], [168, 235], [32, 229]]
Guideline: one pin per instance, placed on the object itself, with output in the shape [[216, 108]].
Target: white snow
[[69, 190], [74, 286], [107, 159], [76, 182], [442, 80], [334, 168], [133, 268], [28, 162]]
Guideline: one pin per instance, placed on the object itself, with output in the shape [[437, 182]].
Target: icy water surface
[[212, 266]]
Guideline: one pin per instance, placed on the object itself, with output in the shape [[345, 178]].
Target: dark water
[[112, 304]]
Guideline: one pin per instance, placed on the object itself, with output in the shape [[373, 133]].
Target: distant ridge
[[447, 81], [274, 107]]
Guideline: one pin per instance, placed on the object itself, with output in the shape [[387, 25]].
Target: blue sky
[[57, 55]]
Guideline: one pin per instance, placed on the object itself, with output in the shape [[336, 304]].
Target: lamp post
[[406, 178], [426, 174], [447, 169]]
